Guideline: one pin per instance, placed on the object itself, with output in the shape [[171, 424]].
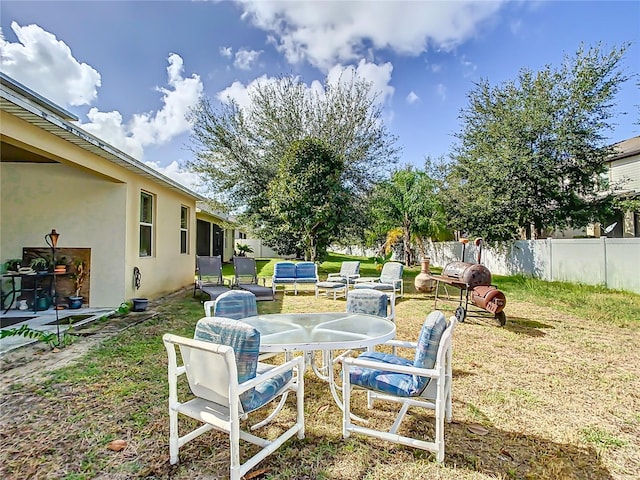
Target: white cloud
[[326, 33], [412, 98], [177, 173], [246, 58], [226, 52], [151, 128], [378, 75], [441, 91], [46, 65]]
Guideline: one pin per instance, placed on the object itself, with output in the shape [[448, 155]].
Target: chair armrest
[[258, 379], [401, 343], [388, 367]]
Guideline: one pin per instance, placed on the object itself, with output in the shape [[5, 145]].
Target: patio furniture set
[[229, 381], [295, 274]]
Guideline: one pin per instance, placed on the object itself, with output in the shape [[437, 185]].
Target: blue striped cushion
[[429, 340], [245, 341], [367, 301], [383, 287], [305, 270], [282, 270], [399, 384], [236, 304]]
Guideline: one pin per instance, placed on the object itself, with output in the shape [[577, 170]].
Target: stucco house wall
[[55, 175]]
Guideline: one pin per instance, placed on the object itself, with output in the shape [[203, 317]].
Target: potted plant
[[243, 249], [78, 276], [61, 265], [40, 264], [12, 265]]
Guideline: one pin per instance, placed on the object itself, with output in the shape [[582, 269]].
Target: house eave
[[45, 115]]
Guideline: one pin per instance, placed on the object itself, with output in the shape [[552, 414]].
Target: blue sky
[[130, 70]]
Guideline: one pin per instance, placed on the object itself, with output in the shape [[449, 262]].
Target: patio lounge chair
[[349, 271], [228, 383], [390, 280], [210, 279], [246, 277], [423, 382]]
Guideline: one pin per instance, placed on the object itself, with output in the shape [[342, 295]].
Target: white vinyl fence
[[610, 262]]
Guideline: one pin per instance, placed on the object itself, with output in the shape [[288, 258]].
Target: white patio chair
[[227, 384], [236, 304], [349, 271], [390, 280], [372, 302], [423, 382]]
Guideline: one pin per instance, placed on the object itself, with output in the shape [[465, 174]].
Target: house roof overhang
[[22, 102]]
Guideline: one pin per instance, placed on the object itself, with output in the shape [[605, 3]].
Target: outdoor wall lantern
[[52, 241]]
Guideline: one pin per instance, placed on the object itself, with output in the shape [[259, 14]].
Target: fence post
[[603, 240]]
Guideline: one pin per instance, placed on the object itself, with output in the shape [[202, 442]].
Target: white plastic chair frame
[[349, 271], [213, 375], [436, 396]]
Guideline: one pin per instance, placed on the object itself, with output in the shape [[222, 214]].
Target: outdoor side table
[[339, 289]]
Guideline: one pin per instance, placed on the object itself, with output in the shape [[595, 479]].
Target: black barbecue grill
[[474, 283]]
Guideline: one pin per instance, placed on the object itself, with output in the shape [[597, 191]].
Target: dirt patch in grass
[[557, 395]]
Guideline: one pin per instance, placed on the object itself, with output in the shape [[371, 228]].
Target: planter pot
[[139, 304], [423, 282], [43, 303], [75, 302]]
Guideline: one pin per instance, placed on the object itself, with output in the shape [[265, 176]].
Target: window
[[146, 224], [184, 229]]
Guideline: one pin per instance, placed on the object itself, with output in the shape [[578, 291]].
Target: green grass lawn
[[556, 390]]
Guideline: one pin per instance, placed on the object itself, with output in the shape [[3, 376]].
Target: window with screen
[[146, 224], [184, 229]]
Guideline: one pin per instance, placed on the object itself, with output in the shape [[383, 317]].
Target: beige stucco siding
[[85, 210], [93, 203]]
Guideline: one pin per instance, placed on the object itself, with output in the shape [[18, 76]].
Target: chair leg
[[234, 444], [173, 437]]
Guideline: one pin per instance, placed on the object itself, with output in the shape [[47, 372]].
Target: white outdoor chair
[[228, 383], [423, 382], [236, 304], [390, 280], [349, 271], [372, 302]]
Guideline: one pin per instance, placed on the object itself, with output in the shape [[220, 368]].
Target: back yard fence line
[[611, 262]]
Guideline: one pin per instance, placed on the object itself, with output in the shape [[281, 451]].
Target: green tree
[[409, 201], [531, 152], [307, 198], [238, 150]]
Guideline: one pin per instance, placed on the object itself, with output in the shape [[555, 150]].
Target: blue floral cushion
[[236, 304], [367, 301], [245, 341]]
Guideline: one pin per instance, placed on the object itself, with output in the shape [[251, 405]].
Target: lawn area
[[557, 390]]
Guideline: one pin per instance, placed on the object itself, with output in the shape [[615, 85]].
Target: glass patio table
[[324, 332]]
